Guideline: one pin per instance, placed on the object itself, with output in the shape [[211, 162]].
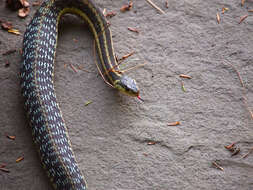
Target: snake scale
[[49, 131]]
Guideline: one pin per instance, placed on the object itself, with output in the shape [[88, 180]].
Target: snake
[[49, 131]]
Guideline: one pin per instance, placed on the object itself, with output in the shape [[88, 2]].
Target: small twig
[[126, 56], [242, 2], [183, 87], [244, 93], [185, 76], [113, 68], [152, 143], [133, 30], [242, 19], [73, 68], [82, 69], [155, 6], [247, 106], [229, 147], [218, 18], [110, 14], [19, 159], [12, 137], [237, 72], [218, 166], [119, 61], [5, 170], [137, 66], [174, 123], [87, 103], [224, 9], [167, 4], [246, 155], [127, 7]]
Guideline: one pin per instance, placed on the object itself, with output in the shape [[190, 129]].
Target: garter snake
[[37, 72]]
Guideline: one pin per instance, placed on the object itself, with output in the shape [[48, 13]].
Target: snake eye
[[127, 89], [129, 86]]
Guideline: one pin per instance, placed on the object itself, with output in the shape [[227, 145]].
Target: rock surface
[[110, 136]]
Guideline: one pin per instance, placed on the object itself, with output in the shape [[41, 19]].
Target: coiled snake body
[[37, 70]]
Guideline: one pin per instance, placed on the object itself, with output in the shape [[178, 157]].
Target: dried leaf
[[230, 146], [110, 14], [127, 7], [87, 103], [224, 9], [250, 151], [82, 69], [23, 12], [151, 143], [155, 6], [242, 2], [218, 18], [185, 76], [6, 25], [14, 31], [73, 68], [167, 4], [174, 123], [12, 137], [126, 56], [133, 30], [243, 18], [20, 159]]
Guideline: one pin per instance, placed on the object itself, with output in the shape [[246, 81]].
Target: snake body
[[37, 70]]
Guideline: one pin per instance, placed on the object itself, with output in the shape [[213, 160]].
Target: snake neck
[[100, 29]]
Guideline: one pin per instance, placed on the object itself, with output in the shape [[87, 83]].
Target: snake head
[[127, 86]]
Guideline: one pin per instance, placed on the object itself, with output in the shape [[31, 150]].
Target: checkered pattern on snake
[[37, 70], [48, 128]]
